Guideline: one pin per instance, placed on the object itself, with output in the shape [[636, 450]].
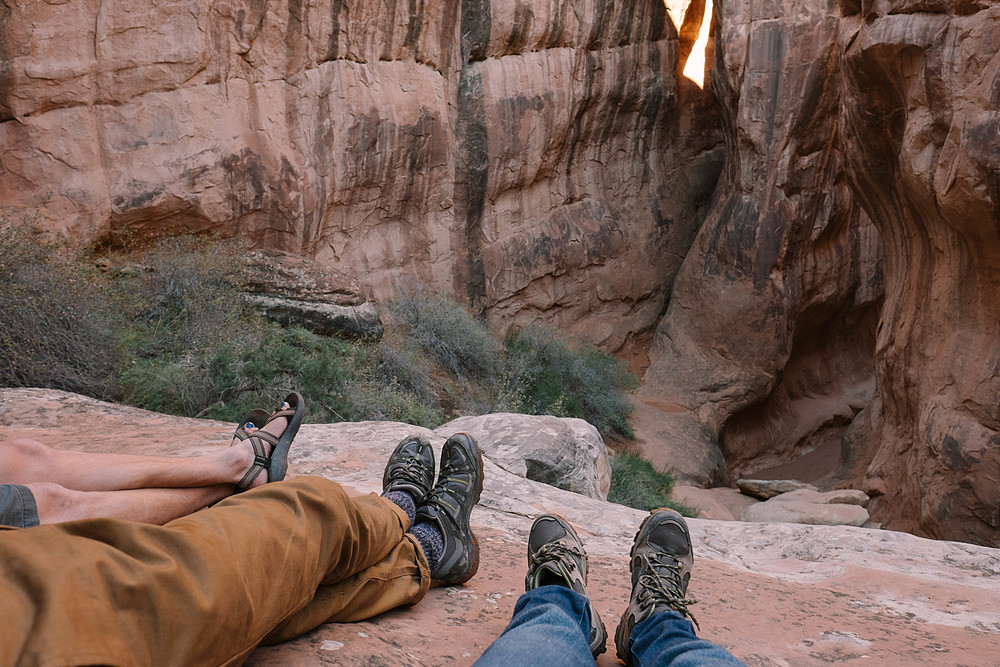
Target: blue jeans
[[551, 626]]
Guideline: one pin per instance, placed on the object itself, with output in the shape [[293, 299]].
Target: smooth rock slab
[[833, 508], [720, 503], [776, 595]]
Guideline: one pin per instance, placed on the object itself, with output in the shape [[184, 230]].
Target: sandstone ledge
[[774, 594]]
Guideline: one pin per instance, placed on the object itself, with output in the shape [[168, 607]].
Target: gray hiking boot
[[410, 468], [661, 569], [449, 507], [556, 556]]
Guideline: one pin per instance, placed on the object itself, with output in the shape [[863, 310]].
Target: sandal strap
[[256, 417], [261, 459], [283, 411], [287, 412], [241, 433]]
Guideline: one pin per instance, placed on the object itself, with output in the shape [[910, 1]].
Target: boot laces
[[444, 493], [410, 470], [660, 583], [556, 551]]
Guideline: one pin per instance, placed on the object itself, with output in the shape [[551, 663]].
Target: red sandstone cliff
[[546, 161], [541, 161], [862, 139], [922, 140]]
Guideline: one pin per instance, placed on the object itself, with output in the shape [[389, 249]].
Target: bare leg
[[158, 506], [26, 461]]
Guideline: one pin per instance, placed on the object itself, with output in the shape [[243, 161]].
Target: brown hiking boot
[[661, 569], [556, 556]]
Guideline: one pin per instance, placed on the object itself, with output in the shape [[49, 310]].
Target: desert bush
[[56, 324], [186, 332], [168, 330], [557, 378], [636, 483], [448, 332], [370, 395], [195, 349], [182, 297]]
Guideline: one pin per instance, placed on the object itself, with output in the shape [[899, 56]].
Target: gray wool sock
[[405, 502], [431, 541]]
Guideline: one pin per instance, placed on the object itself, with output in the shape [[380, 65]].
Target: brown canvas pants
[[259, 567]]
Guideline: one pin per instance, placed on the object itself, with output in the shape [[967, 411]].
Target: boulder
[[832, 508], [773, 594], [769, 488], [361, 321], [281, 274], [297, 291], [566, 453], [721, 503]]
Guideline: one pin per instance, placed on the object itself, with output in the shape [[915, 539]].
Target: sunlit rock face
[[541, 161]]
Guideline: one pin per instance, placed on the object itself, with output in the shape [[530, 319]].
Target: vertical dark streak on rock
[[278, 217], [557, 28], [475, 30], [623, 32], [523, 19], [473, 145], [655, 106], [387, 31], [294, 21], [590, 64], [6, 113], [416, 25], [597, 28], [337, 7]]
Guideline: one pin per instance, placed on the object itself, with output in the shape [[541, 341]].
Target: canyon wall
[[546, 162], [845, 281], [538, 160], [922, 140], [768, 341]]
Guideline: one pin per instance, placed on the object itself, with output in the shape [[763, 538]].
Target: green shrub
[[169, 331], [555, 378], [186, 334], [183, 297], [448, 332], [636, 483], [56, 324]]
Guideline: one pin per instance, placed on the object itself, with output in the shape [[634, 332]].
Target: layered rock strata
[[293, 290], [540, 161], [860, 169]]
